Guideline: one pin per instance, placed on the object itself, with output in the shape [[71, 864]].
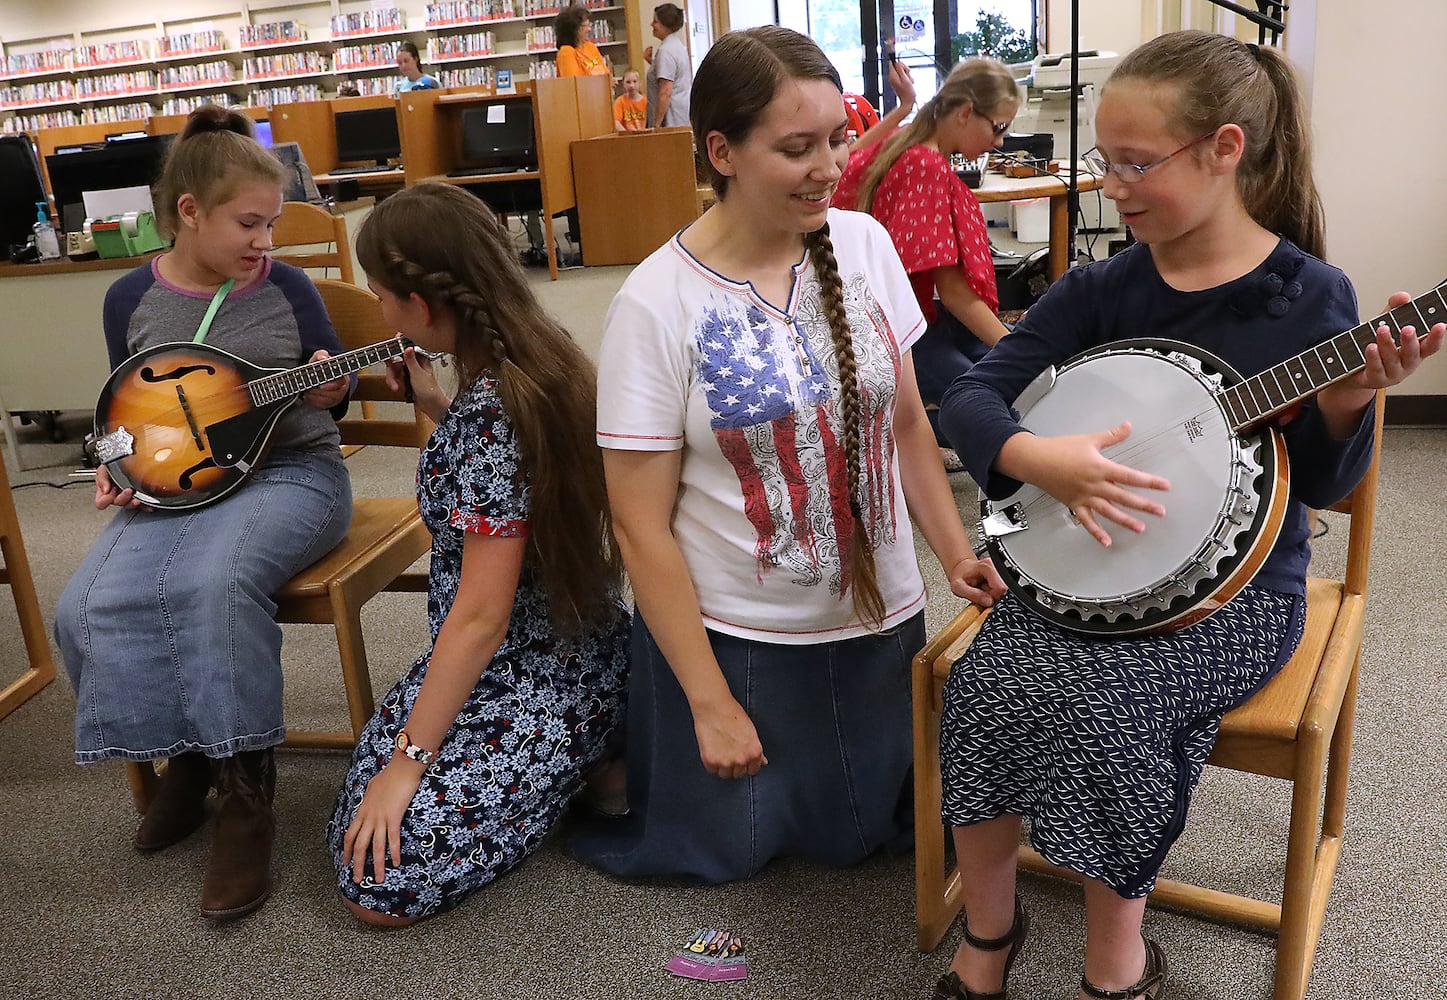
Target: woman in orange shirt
[[577, 55]]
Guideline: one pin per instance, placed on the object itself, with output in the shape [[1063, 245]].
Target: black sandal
[[1151, 985], [949, 986]]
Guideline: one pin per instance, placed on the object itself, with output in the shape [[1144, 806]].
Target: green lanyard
[[212, 310]]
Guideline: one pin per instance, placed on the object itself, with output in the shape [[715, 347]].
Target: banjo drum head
[[1178, 431]]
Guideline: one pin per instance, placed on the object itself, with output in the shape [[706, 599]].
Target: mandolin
[[183, 425]]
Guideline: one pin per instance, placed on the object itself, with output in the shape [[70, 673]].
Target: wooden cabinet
[[634, 191]]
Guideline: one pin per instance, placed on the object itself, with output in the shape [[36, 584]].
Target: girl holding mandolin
[[166, 628], [1099, 739]]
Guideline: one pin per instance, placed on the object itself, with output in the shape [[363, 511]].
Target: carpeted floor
[[89, 917]]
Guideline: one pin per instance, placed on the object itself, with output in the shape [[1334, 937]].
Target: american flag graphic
[[772, 411]]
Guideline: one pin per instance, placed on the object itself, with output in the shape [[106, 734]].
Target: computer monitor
[[299, 185], [21, 188], [263, 133], [368, 134], [121, 163], [499, 135]]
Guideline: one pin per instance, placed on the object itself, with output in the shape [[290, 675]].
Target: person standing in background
[[409, 63], [670, 74], [577, 54]]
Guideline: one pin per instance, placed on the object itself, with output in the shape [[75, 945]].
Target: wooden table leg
[[1059, 234]]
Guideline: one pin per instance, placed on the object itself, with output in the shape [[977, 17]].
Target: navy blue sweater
[[1289, 303]]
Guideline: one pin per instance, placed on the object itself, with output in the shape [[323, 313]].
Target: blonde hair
[[734, 85], [213, 157], [984, 84], [1219, 80], [445, 245]]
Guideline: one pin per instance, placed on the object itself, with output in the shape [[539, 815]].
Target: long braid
[[564, 466], [858, 562]]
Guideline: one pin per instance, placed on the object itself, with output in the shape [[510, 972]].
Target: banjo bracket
[[1005, 521]]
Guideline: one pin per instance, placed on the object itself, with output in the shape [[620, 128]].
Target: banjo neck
[[1254, 399], [283, 385]]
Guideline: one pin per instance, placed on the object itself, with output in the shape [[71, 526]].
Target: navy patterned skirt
[[1099, 743]]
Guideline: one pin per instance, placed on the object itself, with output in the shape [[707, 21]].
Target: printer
[[1049, 72]]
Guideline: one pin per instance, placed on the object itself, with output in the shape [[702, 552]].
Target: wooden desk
[[376, 183], [564, 109], [997, 187], [635, 190], [55, 351]]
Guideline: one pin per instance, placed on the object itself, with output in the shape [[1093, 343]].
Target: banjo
[[184, 424], [1199, 424]]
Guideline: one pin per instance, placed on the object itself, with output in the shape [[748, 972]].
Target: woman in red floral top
[[906, 183]]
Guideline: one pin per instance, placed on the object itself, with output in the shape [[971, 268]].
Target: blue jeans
[[946, 351], [166, 628]]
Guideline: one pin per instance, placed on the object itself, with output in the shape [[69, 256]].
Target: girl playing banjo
[[1100, 742]]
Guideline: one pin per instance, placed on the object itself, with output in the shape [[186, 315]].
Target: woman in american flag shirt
[[766, 449]]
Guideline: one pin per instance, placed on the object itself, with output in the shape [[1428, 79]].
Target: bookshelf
[[269, 52]]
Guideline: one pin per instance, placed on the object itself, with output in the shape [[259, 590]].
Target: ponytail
[[1219, 81], [215, 154], [984, 84]]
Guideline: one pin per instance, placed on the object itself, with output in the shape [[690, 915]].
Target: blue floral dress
[[542, 711]]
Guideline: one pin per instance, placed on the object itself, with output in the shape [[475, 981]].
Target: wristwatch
[[412, 750]]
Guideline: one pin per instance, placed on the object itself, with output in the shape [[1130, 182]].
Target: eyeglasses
[[999, 128], [1132, 173]]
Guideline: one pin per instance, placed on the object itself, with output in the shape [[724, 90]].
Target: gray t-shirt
[[277, 321], [670, 62]]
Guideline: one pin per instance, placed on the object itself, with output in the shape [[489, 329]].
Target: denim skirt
[[834, 721], [166, 629]]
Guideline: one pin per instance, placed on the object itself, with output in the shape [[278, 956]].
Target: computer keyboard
[[487, 171], [362, 170]]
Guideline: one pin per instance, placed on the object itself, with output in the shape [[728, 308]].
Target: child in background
[[166, 628], [1202, 144], [473, 755], [630, 110]]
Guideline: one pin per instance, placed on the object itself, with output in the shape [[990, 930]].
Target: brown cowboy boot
[[179, 805], [238, 872]]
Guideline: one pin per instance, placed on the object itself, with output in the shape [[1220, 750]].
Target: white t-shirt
[[694, 361]]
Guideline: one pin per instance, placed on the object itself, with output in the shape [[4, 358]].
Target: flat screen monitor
[[368, 134], [299, 184], [499, 135], [263, 133], [122, 163], [20, 189]]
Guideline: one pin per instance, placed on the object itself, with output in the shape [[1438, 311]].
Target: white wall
[[1113, 25], [1376, 76]]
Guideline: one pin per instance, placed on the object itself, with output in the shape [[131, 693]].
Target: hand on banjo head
[[1076, 472]]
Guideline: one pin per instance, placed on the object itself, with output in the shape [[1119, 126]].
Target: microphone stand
[[1072, 197]]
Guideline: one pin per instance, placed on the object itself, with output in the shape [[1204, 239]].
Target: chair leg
[[353, 650], [929, 845], [16, 572], [1339, 760], [1306, 854]]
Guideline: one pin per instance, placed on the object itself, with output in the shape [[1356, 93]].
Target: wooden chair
[[1298, 727], [16, 572], [385, 538], [304, 225]]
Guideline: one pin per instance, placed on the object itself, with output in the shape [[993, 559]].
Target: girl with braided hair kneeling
[[475, 753], [765, 448]]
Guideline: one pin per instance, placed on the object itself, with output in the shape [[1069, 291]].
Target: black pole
[[1072, 199]]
